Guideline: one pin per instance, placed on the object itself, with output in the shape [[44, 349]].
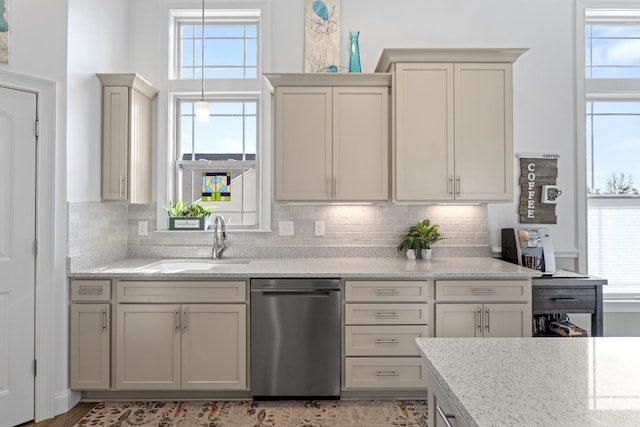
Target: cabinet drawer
[[182, 291], [483, 290], [385, 290], [90, 290], [385, 314], [565, 299], [382, 340], [382, 373]]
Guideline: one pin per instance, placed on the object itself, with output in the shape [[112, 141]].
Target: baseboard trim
[[64, 401]]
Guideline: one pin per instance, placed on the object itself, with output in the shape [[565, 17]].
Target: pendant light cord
[[202, 57]]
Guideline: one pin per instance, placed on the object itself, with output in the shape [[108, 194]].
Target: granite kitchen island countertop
[[393, 268], [538, 381]]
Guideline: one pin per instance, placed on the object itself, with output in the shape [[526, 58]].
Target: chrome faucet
[[219, 236]]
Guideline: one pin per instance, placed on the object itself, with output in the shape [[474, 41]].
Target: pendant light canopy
[[202, 106]]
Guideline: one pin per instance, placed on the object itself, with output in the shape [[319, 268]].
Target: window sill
[[621, 299]]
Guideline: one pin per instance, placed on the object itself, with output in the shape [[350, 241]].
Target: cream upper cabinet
[[127, 136], [331, 137], [452, 122]]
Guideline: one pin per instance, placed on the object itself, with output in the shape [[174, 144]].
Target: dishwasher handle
[[305, 292]]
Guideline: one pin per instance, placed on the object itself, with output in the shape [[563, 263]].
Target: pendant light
[[202, 106]]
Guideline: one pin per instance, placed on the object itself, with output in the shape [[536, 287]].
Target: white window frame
[[620, 298], [167, 101]]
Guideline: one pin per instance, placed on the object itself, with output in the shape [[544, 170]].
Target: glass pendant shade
[[202, 111]]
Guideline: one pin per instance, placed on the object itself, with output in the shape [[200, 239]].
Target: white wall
[[97, 44]]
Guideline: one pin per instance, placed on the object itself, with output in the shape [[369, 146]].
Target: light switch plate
[[143, 228], [285, 228], [319, 228]]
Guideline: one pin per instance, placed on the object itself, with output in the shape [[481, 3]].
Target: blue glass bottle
[[354, 52]]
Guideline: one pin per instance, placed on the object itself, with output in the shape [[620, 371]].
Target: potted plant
[[409, 244], [426, 235], [187, 217]]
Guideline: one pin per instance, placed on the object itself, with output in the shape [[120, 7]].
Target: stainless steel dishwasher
[[295, 338]]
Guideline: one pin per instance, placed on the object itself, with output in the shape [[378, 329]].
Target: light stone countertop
[[539, 381], [390, 268]]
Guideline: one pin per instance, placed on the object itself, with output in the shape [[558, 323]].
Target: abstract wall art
[[322, 36], [4, 30]]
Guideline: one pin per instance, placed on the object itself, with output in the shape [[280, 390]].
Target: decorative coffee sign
[[537, 174]]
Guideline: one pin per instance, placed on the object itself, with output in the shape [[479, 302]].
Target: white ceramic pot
[[425, 253], [411, 254]]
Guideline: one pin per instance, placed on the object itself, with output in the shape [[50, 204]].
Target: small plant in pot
[[187, 217], [420, 237], [409, 244]]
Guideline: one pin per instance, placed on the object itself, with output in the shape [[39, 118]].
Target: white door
[[17, 258]]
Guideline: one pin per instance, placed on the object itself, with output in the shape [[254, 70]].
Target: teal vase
[[354, 52]]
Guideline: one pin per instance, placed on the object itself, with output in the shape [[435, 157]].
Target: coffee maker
[[529, 247]]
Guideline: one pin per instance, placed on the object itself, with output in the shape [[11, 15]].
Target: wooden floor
[[67, 419]]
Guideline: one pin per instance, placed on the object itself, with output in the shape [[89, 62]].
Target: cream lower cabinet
[[482, 320], [442, 411], [188, 346], [90, 335], [382, 321], [483, 308], [331, 143], [173, 347]]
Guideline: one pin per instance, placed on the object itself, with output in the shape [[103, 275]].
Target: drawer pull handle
[[445, 417], [387, 373], [387, 341], [387, 291], [483, 291], [90, 290], [565, 299], [382, 314]]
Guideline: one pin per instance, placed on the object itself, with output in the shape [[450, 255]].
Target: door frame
[[47, 266]]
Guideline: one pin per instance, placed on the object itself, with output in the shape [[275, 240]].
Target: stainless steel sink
[[190, 264]]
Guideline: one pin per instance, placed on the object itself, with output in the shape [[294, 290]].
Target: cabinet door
[[360, 143], [423, 147], [115, 138], [483, 132], [458, 320], [214, 348], [89, 347], [303, 153], [506, 320], [148, 347]]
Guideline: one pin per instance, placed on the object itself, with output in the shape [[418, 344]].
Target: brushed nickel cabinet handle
[[387, 373], [445, 417], [177, 320], [387, 291], [383, 314], [185, 320], [486, 320], [387, 341], [457, 186], [104, 319], [90, 290], [483, 291], [450, 186], [122, 185], [478, 317]]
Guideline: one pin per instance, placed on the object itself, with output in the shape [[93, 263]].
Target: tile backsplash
[[350, 230]]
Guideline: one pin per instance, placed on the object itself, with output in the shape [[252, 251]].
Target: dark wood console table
[[555, 295]]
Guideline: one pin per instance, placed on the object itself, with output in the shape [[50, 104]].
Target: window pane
[[240, 209], [612, 52], [614, 139], [228, 51]]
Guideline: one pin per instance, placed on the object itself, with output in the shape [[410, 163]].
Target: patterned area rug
[[282, 413]]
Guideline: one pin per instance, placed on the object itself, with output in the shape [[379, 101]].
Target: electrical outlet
[[319, 228], [143, 228], [285, 228]]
